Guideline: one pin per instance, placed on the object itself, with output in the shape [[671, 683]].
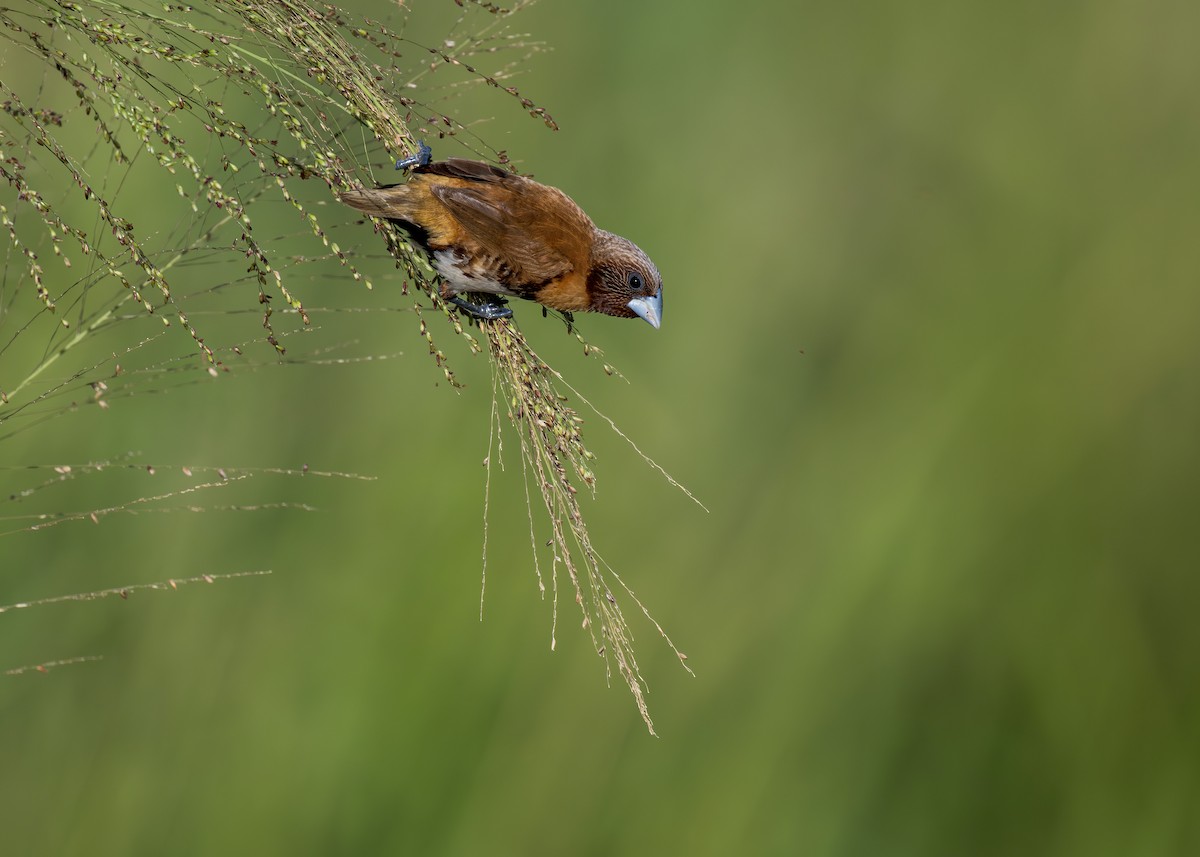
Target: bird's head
[[623, 281]]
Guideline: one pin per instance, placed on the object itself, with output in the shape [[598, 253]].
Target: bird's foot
[[484, 312], [421, 159]]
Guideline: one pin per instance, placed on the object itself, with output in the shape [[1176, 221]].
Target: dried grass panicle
[[221, 111], [556, 460], [227, 111], [179, 489]]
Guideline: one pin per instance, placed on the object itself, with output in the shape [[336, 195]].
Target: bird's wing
[[461, 168], [502, 225]]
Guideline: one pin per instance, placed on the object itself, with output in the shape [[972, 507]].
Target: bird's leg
[[485, 312], [567, 317], [421, 159]]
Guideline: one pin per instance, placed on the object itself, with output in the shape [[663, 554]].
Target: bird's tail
[[394, 203]]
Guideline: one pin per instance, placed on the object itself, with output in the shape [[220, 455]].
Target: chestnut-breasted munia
[[491, 231]]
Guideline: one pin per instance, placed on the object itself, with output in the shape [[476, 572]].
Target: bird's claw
[[483, 312], [421, 159]]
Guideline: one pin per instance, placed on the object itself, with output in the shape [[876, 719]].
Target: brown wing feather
[[406, 201], [498, 223]]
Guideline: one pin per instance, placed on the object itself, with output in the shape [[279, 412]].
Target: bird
[[490, 231]]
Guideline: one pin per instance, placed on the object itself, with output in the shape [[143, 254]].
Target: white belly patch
[[454, 273]]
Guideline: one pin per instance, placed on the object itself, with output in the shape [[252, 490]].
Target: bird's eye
[[635, 281]]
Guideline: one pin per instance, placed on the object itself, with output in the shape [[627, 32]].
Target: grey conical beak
[[649, 308]]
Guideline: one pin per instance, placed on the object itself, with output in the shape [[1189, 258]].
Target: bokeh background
[[929, 357]]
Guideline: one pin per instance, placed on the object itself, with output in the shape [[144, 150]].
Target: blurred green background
[[929, 356]]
